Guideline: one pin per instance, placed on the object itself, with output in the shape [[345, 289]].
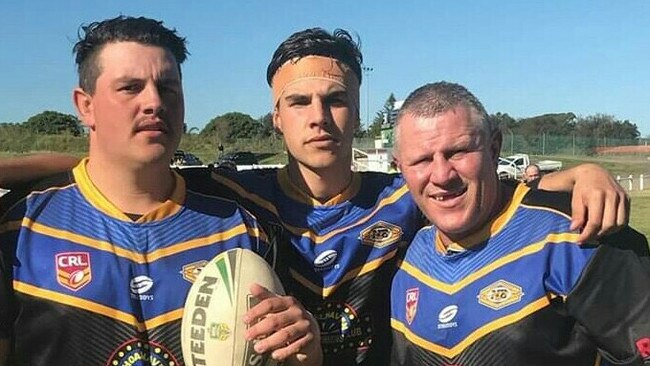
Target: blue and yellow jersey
[[524, 294], [336, 257], [85, 284]]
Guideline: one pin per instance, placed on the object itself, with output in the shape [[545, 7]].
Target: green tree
[[383, 117], [606, 126], [267, 124], [503, 121], [54, 123], [233, 125]]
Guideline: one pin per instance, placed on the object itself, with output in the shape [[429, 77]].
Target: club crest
[[412, 296], [73, 270]]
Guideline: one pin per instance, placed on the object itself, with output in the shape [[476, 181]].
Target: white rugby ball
[[212, 331]]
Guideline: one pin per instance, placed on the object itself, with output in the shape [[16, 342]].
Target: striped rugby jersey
[[84, 284], [524, 294]]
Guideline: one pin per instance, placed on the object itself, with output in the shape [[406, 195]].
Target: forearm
[[560, 181], [19, 170]]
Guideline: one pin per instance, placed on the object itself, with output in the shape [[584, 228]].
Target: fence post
[[640, 182], [629, 184]]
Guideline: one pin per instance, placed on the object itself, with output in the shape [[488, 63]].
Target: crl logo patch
[[412, 296], [73, 270]]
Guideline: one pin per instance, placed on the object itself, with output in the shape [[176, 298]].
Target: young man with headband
[[340, 231]]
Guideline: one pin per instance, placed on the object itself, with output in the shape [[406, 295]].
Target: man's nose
[[153, 102], [319, 113], [442, 171]]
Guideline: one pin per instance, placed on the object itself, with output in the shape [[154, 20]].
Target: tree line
[[557, 124], [236, 125]]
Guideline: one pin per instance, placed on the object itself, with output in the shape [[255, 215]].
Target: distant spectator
[[220, 148], [531, 174]]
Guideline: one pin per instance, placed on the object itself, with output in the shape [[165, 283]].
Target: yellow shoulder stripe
[[132, 255], [97, 308], [472, 337], [449, 289]]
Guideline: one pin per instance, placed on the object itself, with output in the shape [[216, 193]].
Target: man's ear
[[277, 121], [83, 102]]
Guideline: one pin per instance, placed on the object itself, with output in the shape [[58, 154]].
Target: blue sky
[[520, 57]]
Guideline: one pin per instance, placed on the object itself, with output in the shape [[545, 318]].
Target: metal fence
[[547, 144], [634, 183]]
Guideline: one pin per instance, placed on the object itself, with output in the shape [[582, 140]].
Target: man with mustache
[[96, 262]]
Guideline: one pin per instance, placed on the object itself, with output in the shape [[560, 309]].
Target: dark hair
[[318, 42], [94, 36]]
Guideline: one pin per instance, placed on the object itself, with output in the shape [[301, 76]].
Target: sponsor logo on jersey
[[191, 270], [446, 316], [219, 331], [342, 327], [136, 352], [381, 234], [139, 286], [412, 296], [643, 345], [73, 270], [326, 259], [500, 294]]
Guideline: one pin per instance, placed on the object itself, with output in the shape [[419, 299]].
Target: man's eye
[[338, 101], [168, 90], [129, 88], [458, 154], [299, 102]]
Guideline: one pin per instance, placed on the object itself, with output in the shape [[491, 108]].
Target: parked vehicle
[[512, 167], [239, 158], [182, 158]]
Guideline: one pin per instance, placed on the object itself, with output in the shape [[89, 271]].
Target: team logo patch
[[191, 270], [325, 259], [220, 331], [136, 352], [500, 294], [73, 270], [342, 327], [381, 234], [446, 316], [412, 296], [139, 286]]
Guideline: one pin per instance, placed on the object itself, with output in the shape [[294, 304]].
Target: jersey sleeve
[[259, 240], [9, 229], [611, 302]]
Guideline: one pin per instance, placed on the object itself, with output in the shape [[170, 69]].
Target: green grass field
[[640, 215], [623, 166]]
